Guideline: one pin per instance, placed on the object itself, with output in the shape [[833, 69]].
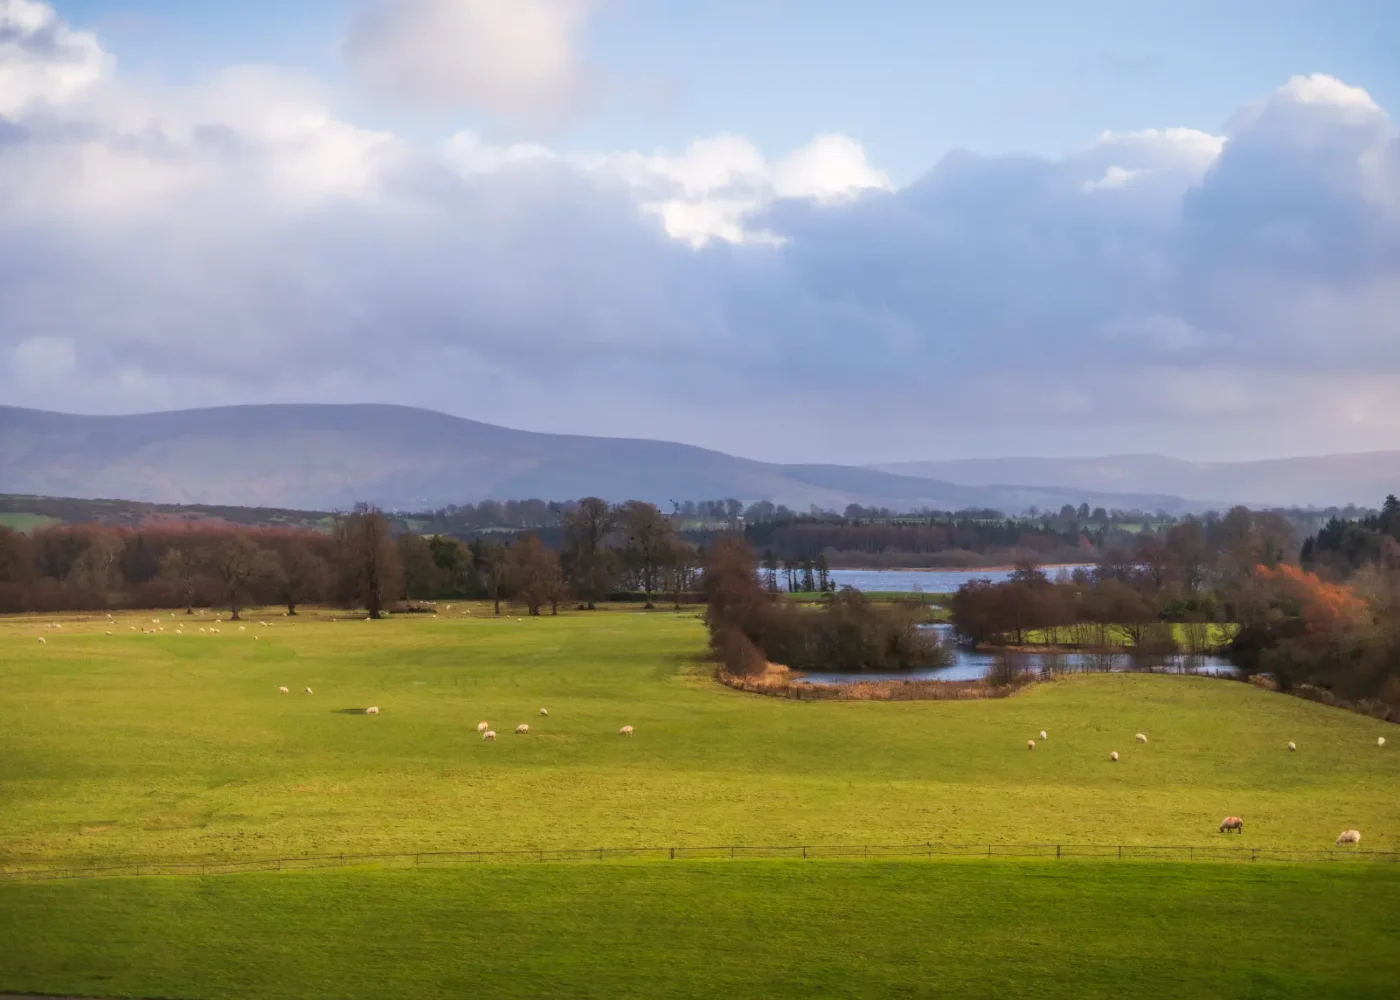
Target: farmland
[[132, 746]]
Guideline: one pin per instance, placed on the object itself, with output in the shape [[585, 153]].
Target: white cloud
[[43, 62], [518, 59], [237, 241]]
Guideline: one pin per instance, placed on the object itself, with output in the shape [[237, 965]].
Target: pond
[[930, 581], [970, 665]]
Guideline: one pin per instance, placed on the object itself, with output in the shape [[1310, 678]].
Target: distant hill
[[327, 457], [1319, 481]]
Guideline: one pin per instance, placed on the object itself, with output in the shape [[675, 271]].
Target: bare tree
[[534, 574], [649, 536], [494, 565], [182, 572], [369, 558], [301, 575], [235, 562], [590, 563]]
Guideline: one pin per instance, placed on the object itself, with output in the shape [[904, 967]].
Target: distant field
[[26, 522], [1217, 634], [165, 746], [702, 930]]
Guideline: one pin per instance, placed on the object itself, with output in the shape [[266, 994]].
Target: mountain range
[[328, 457]]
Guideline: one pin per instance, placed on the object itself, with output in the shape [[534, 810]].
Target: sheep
[[1043, 736], [1292, 745], [308, 690], [243, 628], [544, 711], [43, 640], [372, 710], [490, 734], [284, 690], [481, 727], [1349, 837], [1380, 741], [1141, 738], [1030, 744], [1113, 755], [521, 729], [625, 731], [108, 632], [1232, 823]]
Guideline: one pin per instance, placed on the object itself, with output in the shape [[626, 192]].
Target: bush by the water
[[750, 627]]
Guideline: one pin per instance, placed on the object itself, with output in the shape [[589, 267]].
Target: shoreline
[[952, 569]]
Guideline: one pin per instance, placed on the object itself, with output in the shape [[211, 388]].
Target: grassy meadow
[[131, 746], [165, 746]]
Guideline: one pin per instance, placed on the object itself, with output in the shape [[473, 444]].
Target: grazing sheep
[[625, 731], [521, 729], [372, 710], [1349, 837], [1292, 745], [1141, 738], [1232, 823], [243, 628], [308, 690], [284, 690], [544, 711], [1380, 741], [481, 727], [43, 640], [490, 734], [1043, 736], [1030, 744], [1113, 756], [108, 632]]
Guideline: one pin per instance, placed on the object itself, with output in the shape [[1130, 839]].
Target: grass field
[[703, 930], [26, 522], [160, 747]]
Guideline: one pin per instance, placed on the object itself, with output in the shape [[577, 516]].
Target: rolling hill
[[1320, 481], [326, 457]]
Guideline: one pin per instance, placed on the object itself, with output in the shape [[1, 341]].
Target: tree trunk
[[291, 608]]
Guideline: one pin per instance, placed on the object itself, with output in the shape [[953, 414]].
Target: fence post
[[804, 851], [1253, 853], [1057, 850], [673, 854], [1120, 852], [731, 852], [415, 860]]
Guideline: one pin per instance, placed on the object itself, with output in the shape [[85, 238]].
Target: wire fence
[[449, 859]]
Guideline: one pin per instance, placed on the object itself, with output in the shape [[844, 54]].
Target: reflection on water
[[969, 665]]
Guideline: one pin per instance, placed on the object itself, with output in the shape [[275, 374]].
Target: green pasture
[[1217, 634], [26, 522], [707, 929], [135, 746]]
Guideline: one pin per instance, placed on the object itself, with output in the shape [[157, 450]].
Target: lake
[[971, 665], [930, 581]]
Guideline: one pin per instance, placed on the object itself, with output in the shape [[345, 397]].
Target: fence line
[[442, 859]]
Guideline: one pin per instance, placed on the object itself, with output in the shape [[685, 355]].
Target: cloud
[[237, 241], [516, 59]]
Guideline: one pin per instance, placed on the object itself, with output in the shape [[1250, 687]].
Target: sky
[[797, 230]]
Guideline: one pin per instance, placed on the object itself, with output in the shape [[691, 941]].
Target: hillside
[[326, 457], [1319, 481]]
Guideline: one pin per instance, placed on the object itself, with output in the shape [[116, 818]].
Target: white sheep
[[521, 729], [108, 632], [625, 731], [1030, 744], [1043, 736], [544, 711], [372, 710], [1292, 745], [43, 640], [490, 734], [1349, 837], [481, 727], [308, 690], [1232, 823], [284, 690], [1380, 741], [243, 628], [1141, 738], [1113, 755]]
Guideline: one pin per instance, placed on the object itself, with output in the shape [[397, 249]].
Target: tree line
[[607, 550]]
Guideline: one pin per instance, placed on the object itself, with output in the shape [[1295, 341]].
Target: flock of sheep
[[1231, 822], [484, 728]]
